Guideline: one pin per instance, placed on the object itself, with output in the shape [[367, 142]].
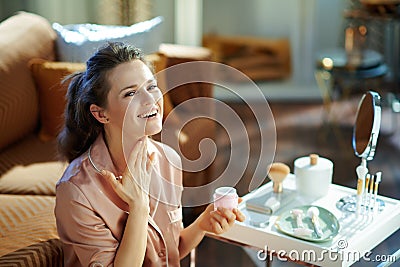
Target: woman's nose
[[148, 98]]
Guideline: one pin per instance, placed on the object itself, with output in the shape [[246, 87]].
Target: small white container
[[225, 197], [313, 175]]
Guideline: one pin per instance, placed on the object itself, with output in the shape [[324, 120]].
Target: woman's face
[[134, 103]]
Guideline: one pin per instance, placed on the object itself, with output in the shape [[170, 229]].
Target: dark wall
[[9, 7]]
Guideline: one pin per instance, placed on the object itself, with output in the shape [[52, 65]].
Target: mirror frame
[[369, 151]]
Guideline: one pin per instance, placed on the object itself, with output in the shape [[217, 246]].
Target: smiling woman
[[134, 104], [122, 190]]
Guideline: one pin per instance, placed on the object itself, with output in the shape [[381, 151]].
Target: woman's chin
[[153, 130]]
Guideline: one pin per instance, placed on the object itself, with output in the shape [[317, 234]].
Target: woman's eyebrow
[[129, 87], [134, 86]]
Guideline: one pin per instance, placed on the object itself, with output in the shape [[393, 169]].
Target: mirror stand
[[365, 136]]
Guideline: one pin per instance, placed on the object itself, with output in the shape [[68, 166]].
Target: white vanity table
[[355, 233], [356, 236]]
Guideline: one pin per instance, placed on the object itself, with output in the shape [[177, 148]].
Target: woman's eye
[[130, 93], [152, 87]]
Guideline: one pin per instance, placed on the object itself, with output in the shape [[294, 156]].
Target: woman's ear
[[98, 113]]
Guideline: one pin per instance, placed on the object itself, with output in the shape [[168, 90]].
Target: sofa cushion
[[33, 179], [23, 36], [27, 151], [77, 42], [45, 253], [48, 78], [26, 220]]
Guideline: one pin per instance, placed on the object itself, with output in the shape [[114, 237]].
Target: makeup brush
[[371, 192], [365, 192], [361, 171], [378, 178], [277, 173]]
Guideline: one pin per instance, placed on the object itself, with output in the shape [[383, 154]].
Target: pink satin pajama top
[[91, 217]]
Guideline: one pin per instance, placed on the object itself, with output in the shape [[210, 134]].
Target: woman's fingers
[[228, 215], [110, 177], [215, 226], [139, 157], [117, 186], [239, 215], [134, 156], [232, 215], [150, 162], [143, 156], [221, 219]]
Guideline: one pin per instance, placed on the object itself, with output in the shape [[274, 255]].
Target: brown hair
[[90, 87]]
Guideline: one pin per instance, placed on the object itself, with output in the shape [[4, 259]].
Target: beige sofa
[[31, 105], [28, 165]]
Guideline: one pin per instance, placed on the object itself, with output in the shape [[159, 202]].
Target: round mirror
[[367, 125]]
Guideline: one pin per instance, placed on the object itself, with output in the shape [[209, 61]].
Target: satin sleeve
[[83, 232]]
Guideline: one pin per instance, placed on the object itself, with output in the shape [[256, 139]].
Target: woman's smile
[[150, 114]]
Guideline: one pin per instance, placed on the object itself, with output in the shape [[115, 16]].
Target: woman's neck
[[116, 148]]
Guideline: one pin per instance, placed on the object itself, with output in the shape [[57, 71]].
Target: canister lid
[[313, 162]]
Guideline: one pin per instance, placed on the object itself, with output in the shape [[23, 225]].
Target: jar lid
[[313, 162], [226, 191]]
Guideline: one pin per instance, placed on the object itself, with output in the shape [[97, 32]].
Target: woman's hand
[[133, 187], [219, 221], [211, 221]]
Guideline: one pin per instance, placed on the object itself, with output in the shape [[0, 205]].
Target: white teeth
[[148, 114]]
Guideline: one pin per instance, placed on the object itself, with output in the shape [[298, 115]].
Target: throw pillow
[[77, 42], [48, 76], [33, 179], [22, 37]]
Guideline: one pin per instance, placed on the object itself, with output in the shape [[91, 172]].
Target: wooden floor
[[301, 129]]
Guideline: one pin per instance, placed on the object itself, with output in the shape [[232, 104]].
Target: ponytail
[[81, 128]]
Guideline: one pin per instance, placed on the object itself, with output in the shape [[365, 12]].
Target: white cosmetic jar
[[313, 175], [225, 197]]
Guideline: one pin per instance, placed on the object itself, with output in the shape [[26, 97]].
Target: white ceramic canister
[[313, 175]]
